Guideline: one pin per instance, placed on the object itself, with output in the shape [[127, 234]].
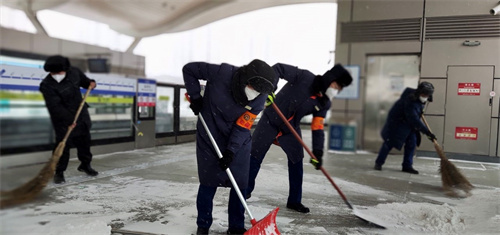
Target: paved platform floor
[[154, 190]]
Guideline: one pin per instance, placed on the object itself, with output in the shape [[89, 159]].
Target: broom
[[450, 175], [32, 188]]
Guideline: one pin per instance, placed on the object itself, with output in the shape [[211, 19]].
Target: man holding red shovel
[[232, 98], [304, 94]]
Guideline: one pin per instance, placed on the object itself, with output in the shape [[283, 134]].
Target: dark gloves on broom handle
[[196, 105], [431, 136], [225, 161], [318, 162]]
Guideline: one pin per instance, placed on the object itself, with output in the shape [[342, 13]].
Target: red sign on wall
[[467, 133], [469, 88]]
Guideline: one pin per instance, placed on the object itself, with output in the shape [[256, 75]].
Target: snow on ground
[[478, 214], [163, 206]]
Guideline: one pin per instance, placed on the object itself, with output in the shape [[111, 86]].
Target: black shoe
[[236, 231], [59, 178], [410, 170], [298, 207], [248, 196], [201, 231], [377, 167], [87, 169]]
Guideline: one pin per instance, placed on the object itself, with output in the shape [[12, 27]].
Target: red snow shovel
[[356, 213], [267, 225]]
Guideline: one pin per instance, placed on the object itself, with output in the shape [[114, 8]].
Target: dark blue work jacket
[[296, 101], [220, 112], [403, 119], [63, 99]]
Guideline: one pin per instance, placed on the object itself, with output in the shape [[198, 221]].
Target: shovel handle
[[228, 171], [311, 154]]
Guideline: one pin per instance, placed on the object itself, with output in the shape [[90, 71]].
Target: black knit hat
[[55, 64], [261, 76], [258, 74], [337, 74], [425, 88]]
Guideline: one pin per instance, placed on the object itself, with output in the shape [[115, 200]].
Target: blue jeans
[[409, 151], [204, 204]]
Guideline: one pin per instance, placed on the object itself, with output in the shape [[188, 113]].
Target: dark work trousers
[[82, 144], [204, 204], [262, 139], [295, 177], [409, 151]]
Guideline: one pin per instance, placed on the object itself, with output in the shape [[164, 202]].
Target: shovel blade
[[266, 225], [369, 219]]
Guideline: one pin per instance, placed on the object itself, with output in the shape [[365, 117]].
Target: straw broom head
[[450, 175]]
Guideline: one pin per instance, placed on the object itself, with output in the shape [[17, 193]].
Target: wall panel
[[438, 54], [387, 9]]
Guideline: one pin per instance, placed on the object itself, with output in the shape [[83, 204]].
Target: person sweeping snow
[[403, 126], [61, 92], [304, 94], [232, 99]]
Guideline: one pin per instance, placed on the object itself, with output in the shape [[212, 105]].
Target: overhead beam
[[134, 44], [28, 10]]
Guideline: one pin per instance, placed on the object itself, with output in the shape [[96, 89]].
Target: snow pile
[[422, 217], [478, 214]]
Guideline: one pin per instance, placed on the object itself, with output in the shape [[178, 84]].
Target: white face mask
[[423, 99], [251, 93], [331, 92], [59, 77]]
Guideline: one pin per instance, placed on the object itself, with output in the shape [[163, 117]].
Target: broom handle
[[427, 125], [311, 154], [436, 145], [77, 114]]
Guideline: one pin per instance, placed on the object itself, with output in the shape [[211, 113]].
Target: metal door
[[468, 110], [386, 79]]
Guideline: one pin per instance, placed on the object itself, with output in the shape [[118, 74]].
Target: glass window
[[24, 120], [111, 106], [164, 109], [111, 115], [186, 115]]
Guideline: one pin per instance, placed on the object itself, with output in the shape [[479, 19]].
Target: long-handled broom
[[367, 219], [32, 188], [450, 175]]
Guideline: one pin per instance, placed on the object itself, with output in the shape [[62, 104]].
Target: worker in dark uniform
[[403, 126], [304, 94], [232, 99], [61, 91]]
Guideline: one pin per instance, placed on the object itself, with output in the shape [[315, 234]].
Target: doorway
[[468, 110], [386, 78]]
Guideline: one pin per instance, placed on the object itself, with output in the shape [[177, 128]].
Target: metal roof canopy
[[144, 18]]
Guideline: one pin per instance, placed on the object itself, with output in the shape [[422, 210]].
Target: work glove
[[196, 105], [318, 162], [431, 137], [227, 158], [270, 99]]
